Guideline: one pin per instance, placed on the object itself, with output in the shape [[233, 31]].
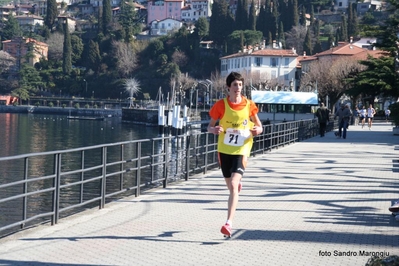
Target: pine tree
[[252, 17], [221, 22], [93, 56], [106, 16], [11, 28], [303, 16], [307, 44], [295, 15], [281, 37], [344, 29], [67, 52], [51, 14], [126, 19]]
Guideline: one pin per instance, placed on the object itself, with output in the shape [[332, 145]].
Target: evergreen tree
[[51, 14], [221, 22], [67, 52], [11, 28], [127, 19], [295, 15], [269, 40], [252, 17], [93, 56], [307, 44], [261, 20], [312, 18], [77, 48], [344, 29], [352, 21], [106, 16], [281, 36], [241, 17], [303, 16], [201, 28]]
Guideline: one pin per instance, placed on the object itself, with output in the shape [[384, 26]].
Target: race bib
[[236, 137]]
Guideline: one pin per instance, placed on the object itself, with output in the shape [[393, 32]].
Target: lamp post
[[86, 85]]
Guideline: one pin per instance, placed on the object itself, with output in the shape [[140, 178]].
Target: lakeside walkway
[[323, 201]]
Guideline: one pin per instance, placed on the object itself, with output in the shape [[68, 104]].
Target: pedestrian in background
[[344, 114], [387, 114], [323, 116], [356, 114], [362, 116], [370, 115]]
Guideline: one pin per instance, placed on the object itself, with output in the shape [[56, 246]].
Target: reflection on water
[[26, 133], [30, 133]]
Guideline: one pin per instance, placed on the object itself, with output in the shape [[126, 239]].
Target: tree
[[77, 48], [106, 16], [252, 17], [67, 51], [11, 28], [51, 14], [6, 61], [295, 38], [202, 27], [93, 56], [307, 44], [55, 46], [221, 22], [128, 20], [126, 58]]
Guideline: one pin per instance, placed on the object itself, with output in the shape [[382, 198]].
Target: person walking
[[323, 116], [370, 115], [356, 114], [238, 123], [362, 116], [387, 114], [344, 114]]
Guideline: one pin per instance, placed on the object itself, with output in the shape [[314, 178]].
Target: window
[[274, 74], [286, 62], [258, 61], [274, 62]]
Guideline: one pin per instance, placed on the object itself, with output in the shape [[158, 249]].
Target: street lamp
[[86, 85]]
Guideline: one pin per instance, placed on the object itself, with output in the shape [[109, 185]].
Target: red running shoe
[[226, 230]]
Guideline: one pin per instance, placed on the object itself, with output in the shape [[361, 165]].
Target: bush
[[50, 104], [37, 104], [87, 106], [64, 105], [77, 106]]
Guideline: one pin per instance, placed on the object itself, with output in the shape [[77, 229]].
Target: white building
[[263, 64], [165, 26]]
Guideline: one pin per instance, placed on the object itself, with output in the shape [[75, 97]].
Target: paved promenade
[[323, 201]]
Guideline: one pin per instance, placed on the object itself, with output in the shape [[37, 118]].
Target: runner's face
[[236, 87]]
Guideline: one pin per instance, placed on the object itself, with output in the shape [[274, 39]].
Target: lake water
[[28, 133]]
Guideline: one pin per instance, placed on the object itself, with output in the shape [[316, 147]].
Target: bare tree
[[132, 86], [55, 46], [295, 38], [6, 61], [126, 58], [180, 58], [330, 77]]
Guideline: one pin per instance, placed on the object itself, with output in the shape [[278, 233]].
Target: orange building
[[26, 50]]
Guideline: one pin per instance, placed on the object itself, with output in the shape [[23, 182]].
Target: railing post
[[25, 190], [104, 178], [56, 185], [138, 176], [206, 152], [166, 163], [188, 138]]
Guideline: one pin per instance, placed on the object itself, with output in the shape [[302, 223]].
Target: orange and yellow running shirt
[[235, 120]]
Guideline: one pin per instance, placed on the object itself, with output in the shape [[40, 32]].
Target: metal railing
[[44, 187]]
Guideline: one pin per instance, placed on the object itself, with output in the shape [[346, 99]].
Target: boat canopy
[[284, 97]]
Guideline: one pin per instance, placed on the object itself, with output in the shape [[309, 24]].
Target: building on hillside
[[29, 22], [271, 66], [196, 9], [165, 27], [25, 50], [6, 10], [159, 10]]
